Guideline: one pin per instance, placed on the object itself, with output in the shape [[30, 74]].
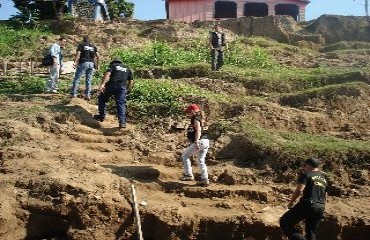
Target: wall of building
[[203, 10]]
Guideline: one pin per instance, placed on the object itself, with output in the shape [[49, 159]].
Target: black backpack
[[47, 60]]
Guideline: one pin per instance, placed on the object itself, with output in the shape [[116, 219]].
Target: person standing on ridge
[[117, 81], [311, 206], [55, 69], [217, 44], [199, 145], [87, 57]]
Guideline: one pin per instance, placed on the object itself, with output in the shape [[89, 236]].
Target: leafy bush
[[159, 54], [27, 85], [162, 54]]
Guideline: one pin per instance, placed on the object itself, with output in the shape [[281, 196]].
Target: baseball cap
[[192, 107], [314, 162]]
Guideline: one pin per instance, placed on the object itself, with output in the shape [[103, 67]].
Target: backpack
[[47, 60]]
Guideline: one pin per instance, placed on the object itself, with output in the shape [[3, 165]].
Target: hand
[[197, 145], [101, 88]]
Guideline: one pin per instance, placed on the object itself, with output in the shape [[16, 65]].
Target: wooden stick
[[5, 67], [137, 214]]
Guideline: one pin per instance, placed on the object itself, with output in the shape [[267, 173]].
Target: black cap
[[314, 162]]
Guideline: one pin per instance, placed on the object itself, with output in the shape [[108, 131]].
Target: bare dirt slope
[[67, 176]]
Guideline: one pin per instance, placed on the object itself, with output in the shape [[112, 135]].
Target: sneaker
[[99, 118], [187, 178], [122, 125], [54, 91], [203, 183]]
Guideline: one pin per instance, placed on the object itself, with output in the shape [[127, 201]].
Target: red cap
[[192, 107]]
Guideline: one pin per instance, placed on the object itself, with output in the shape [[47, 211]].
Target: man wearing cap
[[117, 81], [311, 206]]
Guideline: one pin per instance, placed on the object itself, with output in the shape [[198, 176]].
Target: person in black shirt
[[311, 205], [217, 43], [117, 81], [86, 55], [199, 145]]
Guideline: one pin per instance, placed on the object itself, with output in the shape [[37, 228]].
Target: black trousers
[[217, 58], [311, 213]]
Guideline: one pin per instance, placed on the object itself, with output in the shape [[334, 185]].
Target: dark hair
[[62, 38], [313, 162], [86, 39]]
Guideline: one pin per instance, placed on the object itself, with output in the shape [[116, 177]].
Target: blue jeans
[[119, 93], [86, 68], [99, 7]]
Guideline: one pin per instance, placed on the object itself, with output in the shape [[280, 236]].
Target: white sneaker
[[203, 183], [187, 178], [54, 91]]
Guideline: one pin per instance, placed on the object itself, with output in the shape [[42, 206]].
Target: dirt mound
[[341, 28]]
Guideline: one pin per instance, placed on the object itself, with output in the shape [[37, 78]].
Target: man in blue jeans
[[312, 184], [117, 82], [86, 55]]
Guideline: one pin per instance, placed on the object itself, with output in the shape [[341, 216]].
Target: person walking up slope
[[311, 206], [86, 54], [117, 81], [199, 145]]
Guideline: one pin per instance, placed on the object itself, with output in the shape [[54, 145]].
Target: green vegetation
[[14, 41], [165, 98], [163, 54]]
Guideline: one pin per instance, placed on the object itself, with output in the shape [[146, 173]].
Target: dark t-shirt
[[191, 129], [315, 187], [88, 52], [120, 74]]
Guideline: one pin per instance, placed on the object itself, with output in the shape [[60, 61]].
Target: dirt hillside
[[64, 175]]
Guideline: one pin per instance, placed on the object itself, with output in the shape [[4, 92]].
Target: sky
[[154, 9]]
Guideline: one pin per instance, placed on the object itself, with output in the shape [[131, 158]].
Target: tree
[[34, 10], [367, 7]]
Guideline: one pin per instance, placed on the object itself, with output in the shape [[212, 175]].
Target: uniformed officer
[[311, 206], [117, 81]]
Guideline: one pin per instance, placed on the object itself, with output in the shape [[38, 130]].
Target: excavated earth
[[64, 175]]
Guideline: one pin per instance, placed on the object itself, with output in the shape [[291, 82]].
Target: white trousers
[[201, 155]]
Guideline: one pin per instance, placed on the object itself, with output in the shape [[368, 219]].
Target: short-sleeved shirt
[[315, 187], [191, 129], [120, 74], [87, 52]]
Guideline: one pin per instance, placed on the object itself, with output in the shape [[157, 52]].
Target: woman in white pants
[[199, 144]]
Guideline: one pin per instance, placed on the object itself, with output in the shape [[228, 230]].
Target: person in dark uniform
[[311, 206], [217, 43], [117, 81], [87, 58], [199, 145]]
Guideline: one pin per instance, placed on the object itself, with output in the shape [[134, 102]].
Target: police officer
[[117, 81], [311, 206], [87, 58], [217, 43]]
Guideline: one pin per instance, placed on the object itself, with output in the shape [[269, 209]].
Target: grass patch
[[13, 41], [299, 145]]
